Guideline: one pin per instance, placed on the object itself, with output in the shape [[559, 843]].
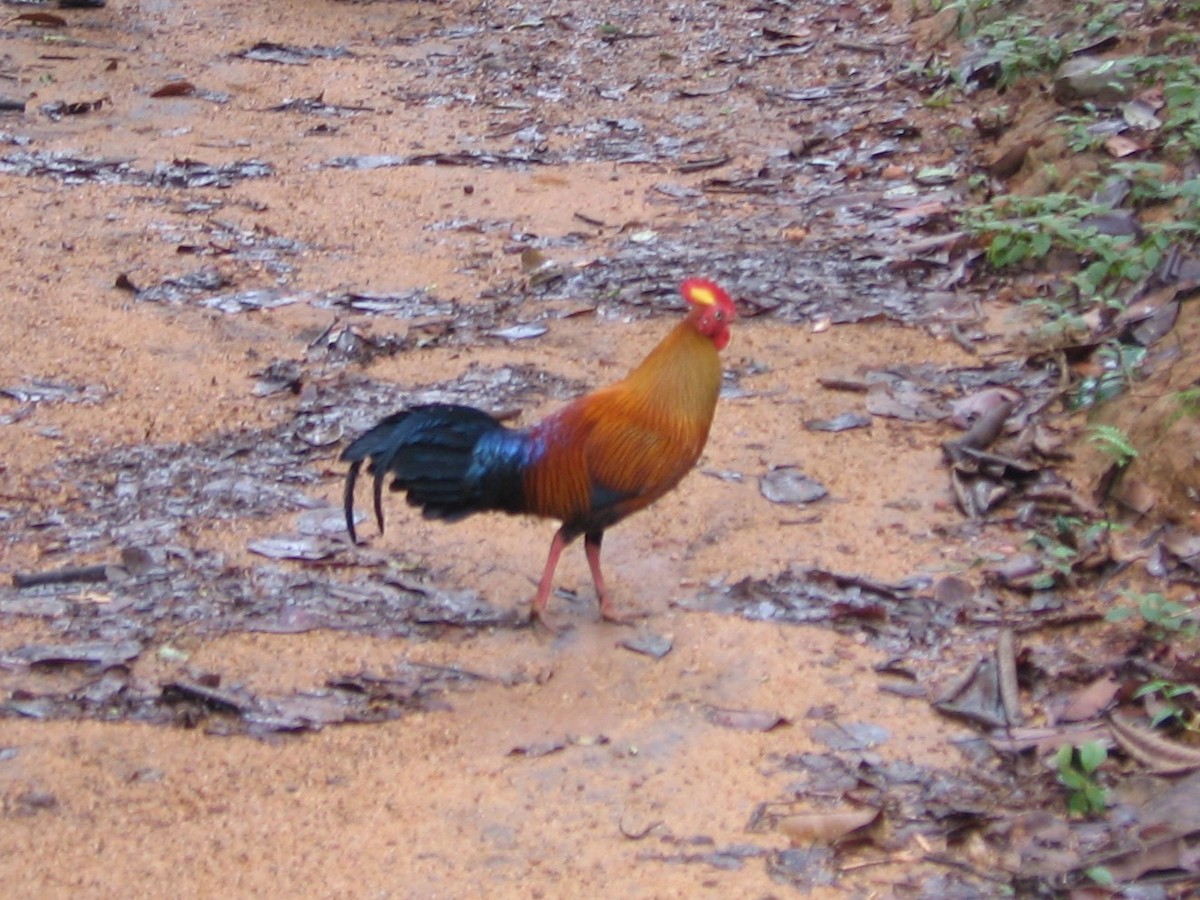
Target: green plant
[[1081, 134], [938, 100], [1114, 442], [1019, 45], [1059, 555], [1019, 230], [1179, 79], [1184, 41], [1067, 542], [1016, 47], [1100, 20], [1077, 773], [1168, 692], [1163, 617], [1119, 364], [1189, 402]]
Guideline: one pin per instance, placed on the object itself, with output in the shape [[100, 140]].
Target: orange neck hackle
[[683, 373]]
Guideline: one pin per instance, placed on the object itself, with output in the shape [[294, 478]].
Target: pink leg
[[547, 583], [591, 547]]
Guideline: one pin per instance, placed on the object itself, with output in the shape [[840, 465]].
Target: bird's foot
[[629, 617], [537, 618]]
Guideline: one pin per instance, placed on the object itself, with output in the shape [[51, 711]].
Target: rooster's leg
[[543, 592], [591, 547]]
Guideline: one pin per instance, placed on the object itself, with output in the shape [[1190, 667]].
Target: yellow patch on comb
[[701, 294]]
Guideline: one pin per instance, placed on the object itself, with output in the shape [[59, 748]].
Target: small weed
[[1178, 77], [1188, 402], [1018, 45], [1015, 46], [1114, 442], [1058, 555], [1068, 540], [1085, 132], [1164, 618], [1077, 773], [1168, 692], [1119, 364]]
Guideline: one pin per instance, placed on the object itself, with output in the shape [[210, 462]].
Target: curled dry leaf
[[966, 410], [842, 422], [746, 719], [520, 332], [647, 644], [41, 19], [539, 749], [290, 547], [1157, 753], [175, 89], [827, 827], [1044, 740], [787, 484], [545, 748], [96, 653], [1006, 665]]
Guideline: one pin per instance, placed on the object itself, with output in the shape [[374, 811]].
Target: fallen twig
[[67, 575]]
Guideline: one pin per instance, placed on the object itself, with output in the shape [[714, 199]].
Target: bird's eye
[[719, 314]]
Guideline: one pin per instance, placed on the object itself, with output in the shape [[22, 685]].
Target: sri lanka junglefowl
[[602, 457]]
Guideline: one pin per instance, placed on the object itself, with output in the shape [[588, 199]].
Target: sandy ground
[[437, 803]]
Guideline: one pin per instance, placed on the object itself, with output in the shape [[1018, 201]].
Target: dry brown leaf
[[175, 89], [1135, 494], [1089, 701], [746, 719], [1006, 665], [827, 827], [1161, 856], [1046, 740], [41, 19], [1183, 544], [1120, 146], [1156, 752]]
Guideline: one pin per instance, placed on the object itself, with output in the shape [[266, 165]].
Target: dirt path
[[143, 305]]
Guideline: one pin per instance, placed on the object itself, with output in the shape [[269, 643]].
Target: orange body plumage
[[602, 457]]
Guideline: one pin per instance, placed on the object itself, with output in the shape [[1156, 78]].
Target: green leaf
[[1150, 687], [1042, 582], [1165, 714], [1073, 779], [1091, 755], [1101, 876], [1064, 757]]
